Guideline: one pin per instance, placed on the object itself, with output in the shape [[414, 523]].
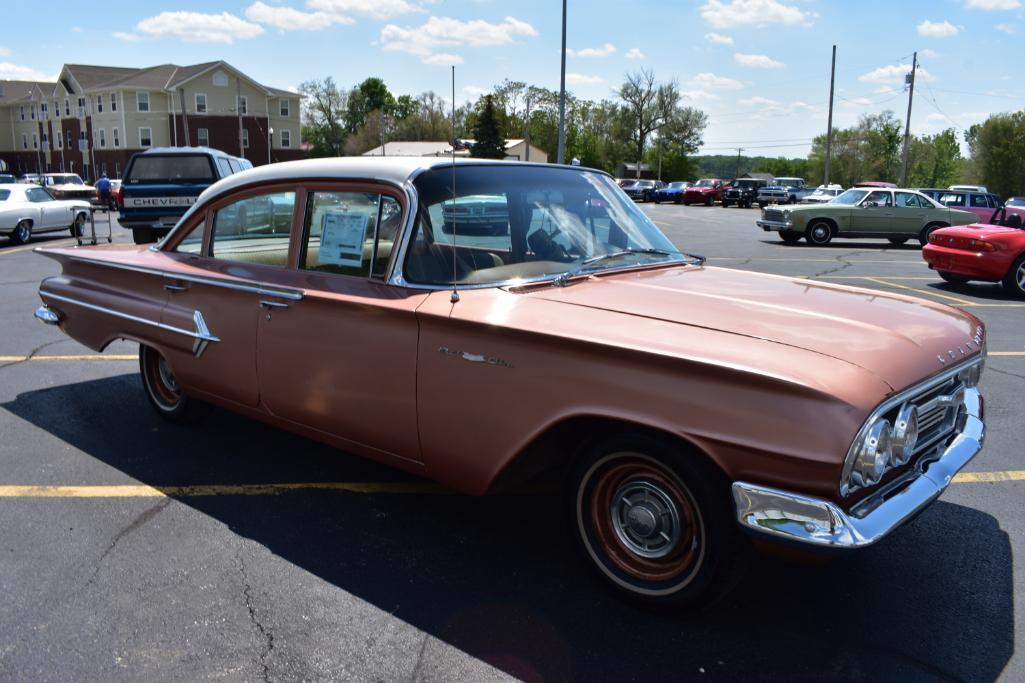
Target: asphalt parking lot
[[131, 549]]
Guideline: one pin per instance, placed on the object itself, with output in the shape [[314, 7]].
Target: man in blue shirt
[[103, 188]]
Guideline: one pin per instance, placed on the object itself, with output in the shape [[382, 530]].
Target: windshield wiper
[[586, 265]]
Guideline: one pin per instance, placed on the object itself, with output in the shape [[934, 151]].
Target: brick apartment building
[[93, 118]]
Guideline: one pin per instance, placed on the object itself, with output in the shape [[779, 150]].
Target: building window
[[33, 110], [142, 101], [286, 138], [113, 101], [200, 103], [284, 108], [103, 138], [203, 137], [220, 79], [83, 142], [99, 104], [145, 137], [245, 138], [67, 107], [44, 109], [35, 141], [56, 109], [24, 141], [23, 112], [60, 140], [242, 104], [116, 138], [46, 141], [81, 107]]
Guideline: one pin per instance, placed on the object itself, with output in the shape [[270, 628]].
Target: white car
[[29, 209], [823, 194]]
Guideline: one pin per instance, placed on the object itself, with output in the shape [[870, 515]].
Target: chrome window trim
[[895, 400], [202, 334], [242, 286]]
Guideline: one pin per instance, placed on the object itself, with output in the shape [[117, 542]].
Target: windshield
[[171, 168], [523, 223], [705, 183], [789, 181], [850, 197], [1016, 201], [63, 180], [677, 185]]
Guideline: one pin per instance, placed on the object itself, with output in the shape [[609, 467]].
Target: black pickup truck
[[743, 192]]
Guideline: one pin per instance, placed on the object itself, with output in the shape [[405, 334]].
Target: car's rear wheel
[[1014, 281], [951, 278], [78, 227], [161, 387], [819, 233], [896, 241], [655, 523], [789, 236], [923, 237], [22, 232], [143, 235], [709, 201]]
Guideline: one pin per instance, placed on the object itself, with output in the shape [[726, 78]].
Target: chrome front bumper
[[775, 226], [819, 522]]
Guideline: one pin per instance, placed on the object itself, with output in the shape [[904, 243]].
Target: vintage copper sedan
[[682, 404]]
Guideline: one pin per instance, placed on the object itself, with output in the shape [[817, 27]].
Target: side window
[[225, 169], [38, 194], [193, 242], [908, 200], [254, 229], [341, 231], [235, 168], [878, 198], [980, 201], [952, 199]]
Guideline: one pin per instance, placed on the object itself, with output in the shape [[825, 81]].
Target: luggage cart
[[91, 239]]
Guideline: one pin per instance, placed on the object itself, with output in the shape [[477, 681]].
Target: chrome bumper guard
[[47, 315], [774, 225], [818, 522]]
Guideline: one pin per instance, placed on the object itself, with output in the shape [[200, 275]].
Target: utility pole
[[739, 150], [526, 150], [562, 93], [829, 122], [907, 124], [238, 109]]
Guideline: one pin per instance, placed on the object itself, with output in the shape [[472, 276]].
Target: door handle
[[272, 304], [175, 288]]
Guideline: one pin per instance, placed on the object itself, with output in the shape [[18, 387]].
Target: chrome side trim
[[242, 286], [819, 522], [45, 314], [202, 333]]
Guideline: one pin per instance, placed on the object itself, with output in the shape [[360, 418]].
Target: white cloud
[[993, 4], [894, 75], [713, 82], [731, 13], [697, 95], [4, 52], [474, 91], [288, 19], [856, 102], [16, 72], [76, 29], [443, 32], [718, 39], [442, 58], [1005, 28], [757, 61], [935, 118], [940, 29], [196, 27], [758, 101], [372, 9], [582, 79], [929, 54], [635, 53], [603, 51], [127, 37], [292, 88]]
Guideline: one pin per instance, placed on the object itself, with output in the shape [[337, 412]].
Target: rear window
[[4, 194], [173, 168]]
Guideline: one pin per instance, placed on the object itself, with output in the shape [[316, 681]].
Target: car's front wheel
[[923, 237], [78, 227], [819, 233], [22, 232], [897, 241], [654, 521], [162, 389], [789, 236], [1014, 281]]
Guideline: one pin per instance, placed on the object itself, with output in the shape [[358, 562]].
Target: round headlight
[[905, 434], [874, 456], [786, 213]]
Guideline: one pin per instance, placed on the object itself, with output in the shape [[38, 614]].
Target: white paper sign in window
[[341, 238]]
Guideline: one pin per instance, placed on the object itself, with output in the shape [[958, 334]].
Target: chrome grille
[[772, 215], [937, 412]]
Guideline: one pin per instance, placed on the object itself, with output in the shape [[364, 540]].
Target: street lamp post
[[270, 142], [562, 93]]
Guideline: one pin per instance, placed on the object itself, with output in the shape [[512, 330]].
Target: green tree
[[369, 96], [490, 144], [323, 116], [648, 106], [934, 161], [998, 147]]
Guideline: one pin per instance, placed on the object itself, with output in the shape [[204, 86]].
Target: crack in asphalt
[[1005, 372], [844, 264], [32, 353], [247, 597], [413, 677]]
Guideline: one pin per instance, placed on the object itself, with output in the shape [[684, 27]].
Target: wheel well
[[550, 455], [828, 221]]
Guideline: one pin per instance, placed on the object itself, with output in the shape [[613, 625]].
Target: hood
[[897, 338]]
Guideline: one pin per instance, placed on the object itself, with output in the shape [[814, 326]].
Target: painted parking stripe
[[206, 490], [957, 300], [989, 477]]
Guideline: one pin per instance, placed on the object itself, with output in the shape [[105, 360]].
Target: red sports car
[[992, 252]]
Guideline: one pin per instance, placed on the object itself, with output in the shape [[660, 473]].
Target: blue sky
[[759, 68]]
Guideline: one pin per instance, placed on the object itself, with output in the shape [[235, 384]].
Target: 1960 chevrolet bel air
[[682, 404]]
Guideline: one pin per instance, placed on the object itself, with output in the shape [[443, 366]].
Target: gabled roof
[[91, 76], [21, 91]]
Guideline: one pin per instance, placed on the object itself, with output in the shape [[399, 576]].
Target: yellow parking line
[[1005, 353], [198, 490], [865, 277], [90, 356], [989, 477], [758, 259], [957, 300]]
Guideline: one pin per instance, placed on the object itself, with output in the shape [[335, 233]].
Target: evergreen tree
[[490, 144]]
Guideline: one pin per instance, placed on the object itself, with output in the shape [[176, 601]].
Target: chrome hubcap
[[166, 376], [1021, 277], [23, 232], [820, 233], [645, 519]]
